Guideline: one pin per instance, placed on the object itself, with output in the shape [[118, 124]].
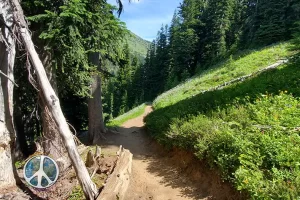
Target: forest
[[70, 67]]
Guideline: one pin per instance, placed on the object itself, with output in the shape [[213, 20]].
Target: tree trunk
[[52, 143], [53, 105], [7, 131], [22, 148], [96, 122]]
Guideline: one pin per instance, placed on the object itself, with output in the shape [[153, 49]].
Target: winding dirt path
[[158, 174]]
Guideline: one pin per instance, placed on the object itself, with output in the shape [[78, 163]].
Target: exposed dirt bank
[[159, 174]]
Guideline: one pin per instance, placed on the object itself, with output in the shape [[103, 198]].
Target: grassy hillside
[[138, 46], [239, 65], [137, 111], [248, 130]]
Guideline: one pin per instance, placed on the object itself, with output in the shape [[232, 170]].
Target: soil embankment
[[158, 174]]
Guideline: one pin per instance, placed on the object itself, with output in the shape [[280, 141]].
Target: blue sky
[[145, 17]]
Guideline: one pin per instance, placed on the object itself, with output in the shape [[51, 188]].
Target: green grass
[[248, 130], [20, 164], [137, 111], [77, 193], [223, 72]]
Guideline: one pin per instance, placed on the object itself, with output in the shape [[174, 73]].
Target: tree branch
[[9, 78]]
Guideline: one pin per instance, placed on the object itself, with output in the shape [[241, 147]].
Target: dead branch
[[9, 79]]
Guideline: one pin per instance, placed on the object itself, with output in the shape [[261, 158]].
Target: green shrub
[[255, 145], [248, 130]]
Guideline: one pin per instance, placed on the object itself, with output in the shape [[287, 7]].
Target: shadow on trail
[[176, 169], [194, 179], [132, 138]]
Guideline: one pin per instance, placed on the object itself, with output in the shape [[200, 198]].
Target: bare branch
[[9, 79]]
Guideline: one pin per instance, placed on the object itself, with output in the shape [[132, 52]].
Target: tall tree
[[49, 95], [174, 48], [7, 131], [217, 19], [77, 52], [190, 14], [160, 67], [96, 120], [270, 14]]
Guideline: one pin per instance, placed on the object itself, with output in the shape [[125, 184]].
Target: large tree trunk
[[52, 142], [53, 105], [7, 131], [96, 122]]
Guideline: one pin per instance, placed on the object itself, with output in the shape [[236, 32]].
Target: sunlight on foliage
[[248, 130], [137, 111], [224, 71]]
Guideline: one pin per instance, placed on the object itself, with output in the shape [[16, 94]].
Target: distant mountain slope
[[138, 46]]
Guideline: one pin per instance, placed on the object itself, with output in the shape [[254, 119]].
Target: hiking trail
[[159, 174]]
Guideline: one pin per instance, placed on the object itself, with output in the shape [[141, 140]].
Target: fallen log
[[243, 78], [117, 183]]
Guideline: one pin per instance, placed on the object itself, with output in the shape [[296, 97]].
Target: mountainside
[[248, 129], [138, 46]]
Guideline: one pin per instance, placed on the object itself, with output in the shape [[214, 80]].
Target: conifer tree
[[270, 15]]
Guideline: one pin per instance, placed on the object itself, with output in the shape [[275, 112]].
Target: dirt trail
[[161, 175]]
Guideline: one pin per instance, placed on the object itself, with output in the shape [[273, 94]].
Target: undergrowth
[[248, 130], [77, 193]]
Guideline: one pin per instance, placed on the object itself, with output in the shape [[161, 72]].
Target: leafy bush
[[255, 145]]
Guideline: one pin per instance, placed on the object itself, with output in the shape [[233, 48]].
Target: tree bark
[[53, 105], [117, 184], [96, 122], [7, 131], [52, 143]]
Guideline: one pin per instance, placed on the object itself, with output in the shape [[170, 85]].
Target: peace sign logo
[[41, 171]]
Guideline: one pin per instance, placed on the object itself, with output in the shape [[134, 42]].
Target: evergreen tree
[[174, 67], [189, 12], [66, 28], [217, 17], [270, 16]]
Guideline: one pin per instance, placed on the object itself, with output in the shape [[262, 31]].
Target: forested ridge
[[99, 70]]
